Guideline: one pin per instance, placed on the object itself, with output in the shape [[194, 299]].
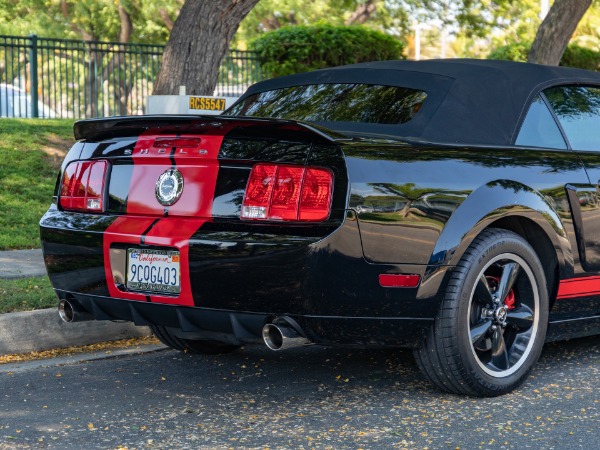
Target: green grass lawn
[[31, 151], [26, 294]]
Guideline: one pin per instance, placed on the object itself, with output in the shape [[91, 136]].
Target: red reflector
[[288, 193], [180, 142], [399, 280], [82, 186]]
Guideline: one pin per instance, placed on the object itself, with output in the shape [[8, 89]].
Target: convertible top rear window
[[346, 102]]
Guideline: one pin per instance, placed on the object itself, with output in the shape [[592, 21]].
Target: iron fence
[[41, 77]]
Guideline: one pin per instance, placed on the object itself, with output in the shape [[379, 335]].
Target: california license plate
[[153, 270]]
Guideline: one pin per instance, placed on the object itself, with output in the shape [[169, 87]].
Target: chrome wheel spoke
[[483, 292], [479, 331], [521, 318], [499, 353], [510, 271]]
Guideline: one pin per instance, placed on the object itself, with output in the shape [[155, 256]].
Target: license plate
[[153, 270]]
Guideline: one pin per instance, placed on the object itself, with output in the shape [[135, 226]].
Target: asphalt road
[[303, 398]]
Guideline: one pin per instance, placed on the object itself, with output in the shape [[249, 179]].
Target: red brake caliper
[[510, 298]]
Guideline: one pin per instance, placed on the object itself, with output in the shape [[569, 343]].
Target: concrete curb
[[24, 366], [24, 332]]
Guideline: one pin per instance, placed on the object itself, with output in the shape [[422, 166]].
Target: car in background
[[446, 206], [15, 102]]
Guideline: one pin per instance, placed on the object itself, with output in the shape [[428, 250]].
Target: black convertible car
[[447, 206]]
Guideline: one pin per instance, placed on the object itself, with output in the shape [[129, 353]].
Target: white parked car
[[15, 102]]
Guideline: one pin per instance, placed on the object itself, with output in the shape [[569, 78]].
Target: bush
[[574, 56], [584, 58], [295, 49], [517, 51]]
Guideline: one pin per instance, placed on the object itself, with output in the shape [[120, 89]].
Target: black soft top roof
[[468, 101]]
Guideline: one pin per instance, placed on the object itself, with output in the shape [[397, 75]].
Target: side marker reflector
[[399, 280]]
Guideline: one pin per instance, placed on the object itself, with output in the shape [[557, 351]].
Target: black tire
[[491, 326], [191, 345]]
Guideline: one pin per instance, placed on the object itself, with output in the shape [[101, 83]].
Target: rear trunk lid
[[214, 156]]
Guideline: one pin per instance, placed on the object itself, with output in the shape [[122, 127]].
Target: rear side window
[[539, 128], [578, 111], [335, 103]]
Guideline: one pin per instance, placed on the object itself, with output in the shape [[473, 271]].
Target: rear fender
[[492, 202]]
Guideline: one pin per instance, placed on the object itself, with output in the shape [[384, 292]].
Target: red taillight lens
[[82, 186], [288, 193], [316, 195], [259, 191]]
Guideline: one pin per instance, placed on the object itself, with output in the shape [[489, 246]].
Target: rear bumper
[[240, 279], [240, 327]]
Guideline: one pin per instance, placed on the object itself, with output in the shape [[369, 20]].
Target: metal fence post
[[33, 75]]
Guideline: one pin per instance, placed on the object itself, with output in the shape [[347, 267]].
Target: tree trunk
[[164, 15], [121, 87], [197, 45], [556, 30], [362, 13]]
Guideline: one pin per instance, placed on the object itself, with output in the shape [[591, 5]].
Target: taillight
[[82, 187], [288, 193]]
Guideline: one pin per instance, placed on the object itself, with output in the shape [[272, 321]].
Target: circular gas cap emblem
[[168, 187]]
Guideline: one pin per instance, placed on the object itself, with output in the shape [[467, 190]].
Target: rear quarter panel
[[424, 205]]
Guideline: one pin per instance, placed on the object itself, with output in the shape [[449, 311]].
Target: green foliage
[[517, 51], [88, 19], [584, 58], [518, 20], [574, 56], [295, 49], [31, 151], [269, 15], [26, 294]]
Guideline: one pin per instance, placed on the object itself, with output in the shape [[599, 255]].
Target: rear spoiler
[[95, 129]]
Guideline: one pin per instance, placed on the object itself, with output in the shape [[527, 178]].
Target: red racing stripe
[[578, 287], [176, 232], [147, 217], [124, 230], [148, 164]]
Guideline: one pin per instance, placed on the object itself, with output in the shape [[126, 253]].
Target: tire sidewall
[[489, 249]]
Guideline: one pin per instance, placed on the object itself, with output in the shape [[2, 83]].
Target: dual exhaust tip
[[284, 333], [281, 334], [71, 311]]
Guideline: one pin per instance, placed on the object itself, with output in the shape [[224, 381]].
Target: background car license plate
[[153, 270]]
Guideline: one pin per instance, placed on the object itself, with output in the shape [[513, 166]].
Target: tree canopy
[[270, 15], [142, 21], [476, 26]]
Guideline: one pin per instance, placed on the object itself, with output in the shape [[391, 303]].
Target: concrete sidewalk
[[22, 264], [28, 331]]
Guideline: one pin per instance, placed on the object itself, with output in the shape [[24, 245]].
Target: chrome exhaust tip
[[283, 334], [70, 311]]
